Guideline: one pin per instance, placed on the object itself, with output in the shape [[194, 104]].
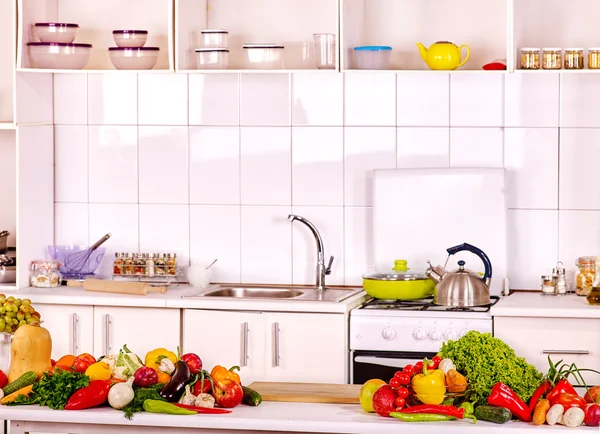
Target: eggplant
[[173, 390]]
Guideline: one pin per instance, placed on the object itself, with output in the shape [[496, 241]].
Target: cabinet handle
[[75, 327], [276, 344], [107, 327], [244, 356], [572, 352]]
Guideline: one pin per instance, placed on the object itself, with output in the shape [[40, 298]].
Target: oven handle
[[385, 361]]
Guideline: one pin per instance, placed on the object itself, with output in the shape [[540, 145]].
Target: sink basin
[[254, 293]]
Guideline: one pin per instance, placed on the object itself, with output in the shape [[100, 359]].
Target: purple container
[[84, 267]]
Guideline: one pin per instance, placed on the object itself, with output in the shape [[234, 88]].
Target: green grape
[[9, 315], [2, 325], [31, 320], [26, 302], [11, 299], [20, 315], [8, 329], [18, 302], [2, 310], [22, 323], [15, 308], [15, 321], [27, 315], [2, 299]]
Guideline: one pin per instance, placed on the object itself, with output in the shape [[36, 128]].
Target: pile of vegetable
[[163, 383], [486, 360]]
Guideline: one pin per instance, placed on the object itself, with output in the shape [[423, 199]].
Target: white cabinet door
[[142, 329], [228, 339], [569, 339], [71, 328], [306, 347]]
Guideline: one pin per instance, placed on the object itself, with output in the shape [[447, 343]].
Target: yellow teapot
[[443, 55]]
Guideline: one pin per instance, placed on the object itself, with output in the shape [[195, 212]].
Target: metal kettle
[[461, 287]]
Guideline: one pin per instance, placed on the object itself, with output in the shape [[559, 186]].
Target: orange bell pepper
[[219, 373]]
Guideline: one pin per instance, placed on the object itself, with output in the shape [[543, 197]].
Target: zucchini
[[27, 379], [493, 414], [251, 397]]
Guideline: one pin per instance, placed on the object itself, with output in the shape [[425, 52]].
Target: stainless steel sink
[[254, 293], [291, 293]]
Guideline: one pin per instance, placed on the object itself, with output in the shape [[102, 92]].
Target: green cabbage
[[485, 360]]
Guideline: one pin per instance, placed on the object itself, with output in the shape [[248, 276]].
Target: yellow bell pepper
[[99, 371], [219, 373], [430, 386], [152, 358]]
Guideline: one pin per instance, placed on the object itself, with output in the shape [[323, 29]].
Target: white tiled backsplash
[[210, 165]]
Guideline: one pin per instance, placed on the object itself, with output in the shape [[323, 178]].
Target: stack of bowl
[[56, 49], [213, 52], [130, 52]]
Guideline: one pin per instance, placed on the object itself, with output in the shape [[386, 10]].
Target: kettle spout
[[435, 273], [423, 51]]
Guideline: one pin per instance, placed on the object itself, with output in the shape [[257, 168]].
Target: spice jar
[[594, 58], [172, 264], [530, 58], [150, 264], [552, 58], [128, 264], [118, 264], [160, 265], [559, 279], [547, 285], [584, 277], [44, 274], [573, 58], [140, 264]]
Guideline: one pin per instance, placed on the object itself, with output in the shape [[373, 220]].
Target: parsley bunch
[[142, 394], [54, 389]]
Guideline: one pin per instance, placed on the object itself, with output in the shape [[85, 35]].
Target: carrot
[[23, 391], [539, 413]]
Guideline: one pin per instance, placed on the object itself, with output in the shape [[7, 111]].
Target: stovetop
[[425, 304]]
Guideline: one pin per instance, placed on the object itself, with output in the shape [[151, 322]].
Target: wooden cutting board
[[308, 392], [131, 288]]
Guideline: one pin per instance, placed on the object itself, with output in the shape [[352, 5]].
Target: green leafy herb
[[54, 389], [486, 360], [142, 394]]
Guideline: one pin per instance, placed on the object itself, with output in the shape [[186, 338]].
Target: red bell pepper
[[539, 394], [563, 386], [568, 400], [504, 396], [91, 396]]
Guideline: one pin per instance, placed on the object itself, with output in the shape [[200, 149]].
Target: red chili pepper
[[563, 386], [90, 396], [204, 410], [446, 410], [504, 396], [568, 400], [539, 394]]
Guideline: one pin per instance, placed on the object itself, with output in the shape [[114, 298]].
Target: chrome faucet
[[322, 270]]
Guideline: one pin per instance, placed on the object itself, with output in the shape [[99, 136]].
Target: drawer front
[[572, 340]]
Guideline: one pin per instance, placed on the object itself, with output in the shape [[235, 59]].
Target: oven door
[[365, 365]]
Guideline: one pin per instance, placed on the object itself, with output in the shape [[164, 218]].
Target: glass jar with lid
[[44, 274], [552, 58], [573, 58], [584, 277], [594, 58], [530, 58]]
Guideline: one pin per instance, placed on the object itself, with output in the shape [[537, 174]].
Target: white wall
[[211, 165]]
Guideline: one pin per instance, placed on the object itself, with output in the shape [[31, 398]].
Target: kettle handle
[[469, 248]]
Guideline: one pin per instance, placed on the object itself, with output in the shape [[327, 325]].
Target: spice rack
[[161, 267]]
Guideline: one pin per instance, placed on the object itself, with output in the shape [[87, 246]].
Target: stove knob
[[451, 335], [435, 335], [419, 334], [388, 334], [463, 332]]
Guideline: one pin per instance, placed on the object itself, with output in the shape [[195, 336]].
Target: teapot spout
[[435, 273], [423, 51]]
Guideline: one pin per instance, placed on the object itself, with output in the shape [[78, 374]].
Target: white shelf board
[[94, 71], [9, 286], [427, 71], [557, 71], [258, 71], [8, 126]]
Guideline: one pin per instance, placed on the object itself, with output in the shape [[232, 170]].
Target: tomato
[[436, 361], [395, 383], [418, 367], [398, 373], [408, 369], [404, 379], [82, 362], [399, 403], [402, 392]]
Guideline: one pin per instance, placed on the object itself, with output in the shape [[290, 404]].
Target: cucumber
[[493, 414], [27, 379], [251, 397]]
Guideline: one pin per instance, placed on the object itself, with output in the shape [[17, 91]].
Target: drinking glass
[[325, 50]]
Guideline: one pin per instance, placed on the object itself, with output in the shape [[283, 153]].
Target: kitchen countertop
[[269, 416], [533, 304], [172, 299]]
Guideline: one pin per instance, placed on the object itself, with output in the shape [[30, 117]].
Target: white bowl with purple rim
[[130, 38], [133, 57], [64, 33], [57, 55]]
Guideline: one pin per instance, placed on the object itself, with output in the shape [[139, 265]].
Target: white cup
[[198, 276]]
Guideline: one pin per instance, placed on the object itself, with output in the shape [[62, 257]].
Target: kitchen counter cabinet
[[141, 329], [533, 304], [310, 347], [71, 328]]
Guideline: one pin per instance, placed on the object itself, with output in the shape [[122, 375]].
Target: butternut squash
[[31, 350]]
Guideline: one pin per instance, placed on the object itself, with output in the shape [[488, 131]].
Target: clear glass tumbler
[[325, 50]]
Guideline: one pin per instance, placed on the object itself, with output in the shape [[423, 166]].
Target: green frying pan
[[398, 285]]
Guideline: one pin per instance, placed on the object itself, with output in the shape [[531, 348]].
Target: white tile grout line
[[239, 205]]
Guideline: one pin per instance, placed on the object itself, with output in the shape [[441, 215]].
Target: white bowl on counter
[[133, 58], [198, 275], [130, 38], [263, 56], [64, 33], [214, 38], [52, 55], [212, 58]]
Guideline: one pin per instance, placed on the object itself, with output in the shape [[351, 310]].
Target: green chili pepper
[[156, 406], [421, 417], [469, 409]]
